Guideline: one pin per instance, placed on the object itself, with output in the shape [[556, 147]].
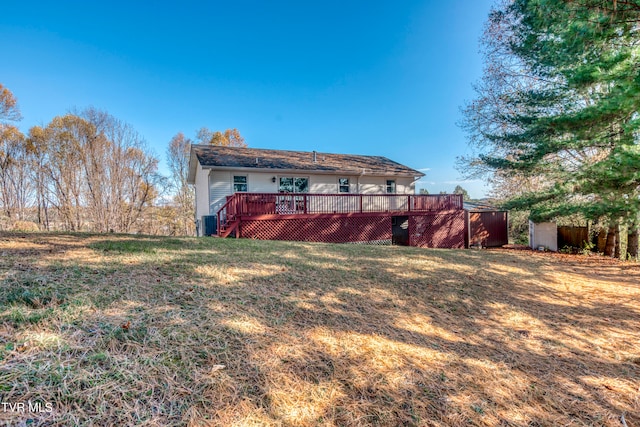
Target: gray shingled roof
[[234, 157]]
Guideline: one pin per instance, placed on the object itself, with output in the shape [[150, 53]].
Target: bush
[[25, 226]]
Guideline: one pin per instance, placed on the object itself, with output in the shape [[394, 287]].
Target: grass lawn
[[123, 330]]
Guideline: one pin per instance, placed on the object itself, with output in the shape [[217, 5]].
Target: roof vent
[[315, 156]]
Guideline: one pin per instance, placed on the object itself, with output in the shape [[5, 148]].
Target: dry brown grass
[[117, 330]]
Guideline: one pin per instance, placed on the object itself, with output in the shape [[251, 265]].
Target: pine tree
[[571, 116]]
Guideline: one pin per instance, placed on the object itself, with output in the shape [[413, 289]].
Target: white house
[[218, 172]]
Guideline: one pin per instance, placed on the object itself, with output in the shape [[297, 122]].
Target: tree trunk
[[602, 240], [632, 242], [617, 253], [610, 246]]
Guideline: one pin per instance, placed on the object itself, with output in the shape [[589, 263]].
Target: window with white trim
[[292, 203], [239, 183], [343, 185], [293, 185], [391, 186]]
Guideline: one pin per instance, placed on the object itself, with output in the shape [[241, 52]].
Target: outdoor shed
[[543, 234], [488, 226]]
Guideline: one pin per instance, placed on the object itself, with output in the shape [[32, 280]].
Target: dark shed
[[488, 226]]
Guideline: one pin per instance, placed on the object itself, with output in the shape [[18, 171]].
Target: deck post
[[360, 203]]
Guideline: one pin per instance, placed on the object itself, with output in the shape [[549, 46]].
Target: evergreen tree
[[570, 115]]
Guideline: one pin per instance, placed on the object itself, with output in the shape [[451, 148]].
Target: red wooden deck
[[433, 220]]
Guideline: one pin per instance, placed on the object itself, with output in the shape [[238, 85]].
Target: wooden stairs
[[228, 227]]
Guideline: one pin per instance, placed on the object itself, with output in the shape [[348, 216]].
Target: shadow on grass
[[289, 333]]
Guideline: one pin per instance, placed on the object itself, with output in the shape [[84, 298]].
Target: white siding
[[212, 187], [318, 184], [328, 184], [202, 192], [405, 186], [262, 183], [378, 185], [373, 185], [353, 184], [220, 186]]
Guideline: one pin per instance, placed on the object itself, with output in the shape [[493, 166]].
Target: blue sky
[[360, 77]]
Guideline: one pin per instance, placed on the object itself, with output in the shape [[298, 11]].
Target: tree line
[[555, 121], [457, 190], [89, 171]]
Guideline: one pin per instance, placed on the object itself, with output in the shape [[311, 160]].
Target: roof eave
[[349, 172]]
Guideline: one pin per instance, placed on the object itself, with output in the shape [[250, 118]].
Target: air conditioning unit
[[209, 225]]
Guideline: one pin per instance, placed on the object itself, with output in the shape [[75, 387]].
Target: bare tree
[[96, 171], [61, 144], [36, 146], [9, 110], [228, 138], [178, 159], [16, 190], [183, 193], [121, 173]]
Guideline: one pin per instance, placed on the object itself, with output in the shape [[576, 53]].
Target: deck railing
[[253, 204]]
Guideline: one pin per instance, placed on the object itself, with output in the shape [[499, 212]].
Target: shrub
[[25, 226]]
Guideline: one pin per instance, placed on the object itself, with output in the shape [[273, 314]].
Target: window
[[391, 186], [286, 185], [293, 185], [290, 204], [301, 185], [343, 185], [239, 183]]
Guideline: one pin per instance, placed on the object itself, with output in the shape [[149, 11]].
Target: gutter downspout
[[415, 179], [195, 211]]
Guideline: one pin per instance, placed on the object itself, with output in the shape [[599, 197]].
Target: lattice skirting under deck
[[329, 230], [437, 230], [441, 230]]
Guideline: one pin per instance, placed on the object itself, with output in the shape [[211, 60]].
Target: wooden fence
[[573, 237]]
